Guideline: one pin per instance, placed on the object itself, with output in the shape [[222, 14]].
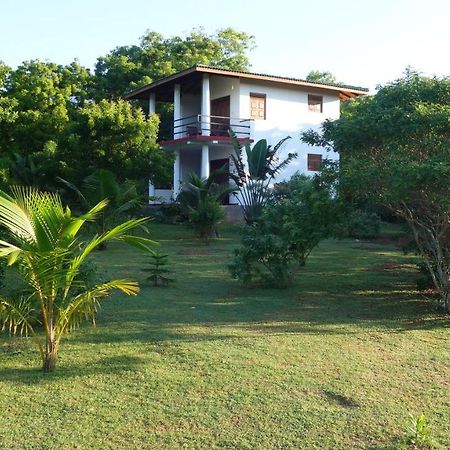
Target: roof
[[165, 85]]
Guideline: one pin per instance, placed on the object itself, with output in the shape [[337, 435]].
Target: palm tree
[[102, 184], [45, 246], [255, 177], [202, 199]]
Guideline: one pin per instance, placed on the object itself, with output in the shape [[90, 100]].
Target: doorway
[[221, 178], [220, 116]]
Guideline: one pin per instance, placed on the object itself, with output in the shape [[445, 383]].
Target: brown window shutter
[[314, 162], [258, 106], [315, 103]]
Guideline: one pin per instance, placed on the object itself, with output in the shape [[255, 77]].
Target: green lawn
[[338, 361]]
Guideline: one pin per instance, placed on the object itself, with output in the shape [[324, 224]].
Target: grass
[[339, 360]]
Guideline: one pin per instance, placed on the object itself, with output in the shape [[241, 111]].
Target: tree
[[128, 67], [322, 77], [394, 149], [113, 135], [254, 172], [50, 127], [45, 245]]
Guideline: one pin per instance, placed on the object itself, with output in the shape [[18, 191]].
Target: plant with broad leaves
[[254, 171]]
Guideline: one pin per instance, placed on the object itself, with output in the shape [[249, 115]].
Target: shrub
[[363, 225], [301, 214]]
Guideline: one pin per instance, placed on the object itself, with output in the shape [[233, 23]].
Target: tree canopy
[[66, 121], [322, 77], [395, 149], [131, 66]]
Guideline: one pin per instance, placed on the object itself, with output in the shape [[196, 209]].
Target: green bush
[[302, 212], [363, 225]]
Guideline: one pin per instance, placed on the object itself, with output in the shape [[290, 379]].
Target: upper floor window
[[315, 103], [258, 106], [314, 162]]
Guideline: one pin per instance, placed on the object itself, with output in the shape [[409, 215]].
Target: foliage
[[394, 149], [44, 244], [254, 172], [50, 127], [202, 198], [102, 184], [128, 67], [322, 77], [419, 434], [172, 213], [157, 263], [363, 224], [302, 213], [113, 135]]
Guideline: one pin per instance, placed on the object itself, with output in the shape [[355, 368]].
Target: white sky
[[362, 42]]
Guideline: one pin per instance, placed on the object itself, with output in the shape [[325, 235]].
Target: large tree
[[50, 127], [131, 66], [395, 151]]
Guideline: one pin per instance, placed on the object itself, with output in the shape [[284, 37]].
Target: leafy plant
[[202, 200], [363, 225], [419, 433], [394, 147], [157, 267], [254, 172], [45, 246], [102, 184], [301, 214]]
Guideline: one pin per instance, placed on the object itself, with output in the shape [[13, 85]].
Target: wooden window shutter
[[315, 103], [258, 106], [314, 162]]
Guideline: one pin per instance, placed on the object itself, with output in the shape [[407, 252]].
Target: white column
[[177, 111], [176, 174], [205, 161], [206, 105], [152, 104]]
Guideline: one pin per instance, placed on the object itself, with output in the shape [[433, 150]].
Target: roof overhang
[[163, 87]]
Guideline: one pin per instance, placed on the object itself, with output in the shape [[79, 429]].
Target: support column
[[206, 106], [176, 175], [177, 129], [152, 104], [205, 161]]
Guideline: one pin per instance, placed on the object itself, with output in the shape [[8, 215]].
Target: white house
[[208, 101]]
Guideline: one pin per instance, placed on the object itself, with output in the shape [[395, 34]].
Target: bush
[[302, 212], [363, 225]]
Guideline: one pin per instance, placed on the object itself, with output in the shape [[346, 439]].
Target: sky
[[362, 42]]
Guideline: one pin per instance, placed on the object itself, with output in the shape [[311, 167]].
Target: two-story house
[[208, 101]]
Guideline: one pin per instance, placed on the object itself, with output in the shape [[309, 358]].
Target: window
[[314, 161], [258, 106], [315, 103]]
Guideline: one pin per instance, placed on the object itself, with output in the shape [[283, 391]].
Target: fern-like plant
[[157, 268]]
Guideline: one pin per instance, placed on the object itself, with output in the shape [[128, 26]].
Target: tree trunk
[[49, 362]]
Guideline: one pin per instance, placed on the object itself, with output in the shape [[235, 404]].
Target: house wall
[[287, 114], [221, 86]]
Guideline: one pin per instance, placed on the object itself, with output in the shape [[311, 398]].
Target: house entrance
[[216, 164], [220, 116]]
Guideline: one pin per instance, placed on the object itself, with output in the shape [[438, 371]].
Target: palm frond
[[16, 315], [85, 305]]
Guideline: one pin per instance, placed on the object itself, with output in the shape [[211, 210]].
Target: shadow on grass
[[105, 366]]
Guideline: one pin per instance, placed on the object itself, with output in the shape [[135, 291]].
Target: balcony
[[200, 127]]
